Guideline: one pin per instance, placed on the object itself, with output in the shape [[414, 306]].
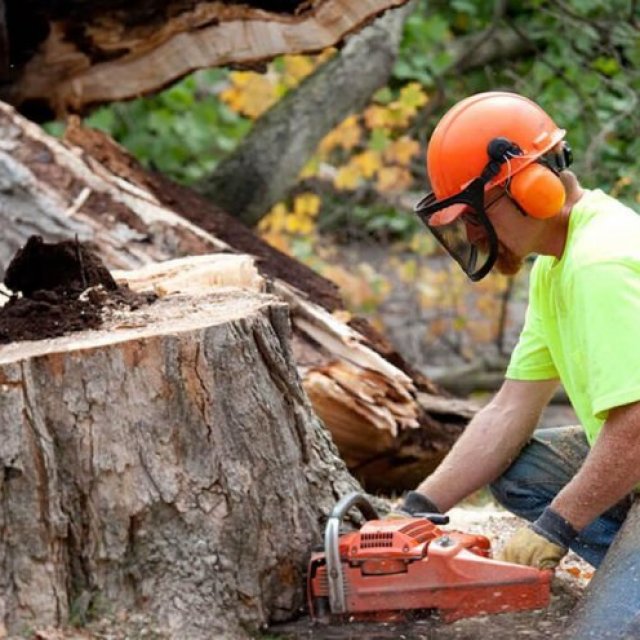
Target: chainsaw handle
[[354, 499], [337, 601]]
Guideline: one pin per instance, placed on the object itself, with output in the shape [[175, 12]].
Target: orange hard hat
[[457, 150]]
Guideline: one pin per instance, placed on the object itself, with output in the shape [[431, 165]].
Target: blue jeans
[[545, 465]]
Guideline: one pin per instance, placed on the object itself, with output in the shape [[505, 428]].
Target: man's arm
[[490, 442], [610, 471]]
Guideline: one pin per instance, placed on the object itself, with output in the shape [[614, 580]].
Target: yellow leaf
[[251, 93], [241, 78], [275, 220], [377, 117], [296, 68], [278, 241], [400, 115], [348, 177], [401, 151], [329, 142], [350, 132], [311, 168], [346, 135], [393, 179], [298, 224], [368, 162], [325, 55], [307, 204], [412, 95]]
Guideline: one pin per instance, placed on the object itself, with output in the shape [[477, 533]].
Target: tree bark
[[609, 608], [77, 55], [268, 161], [169, 463]]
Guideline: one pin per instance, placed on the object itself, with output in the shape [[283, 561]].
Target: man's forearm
[[487, 446], [490, 442], [610, 472]]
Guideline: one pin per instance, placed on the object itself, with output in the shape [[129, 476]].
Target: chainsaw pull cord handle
[[337, 601]]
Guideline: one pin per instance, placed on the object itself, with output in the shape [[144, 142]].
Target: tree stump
[[168, 463]]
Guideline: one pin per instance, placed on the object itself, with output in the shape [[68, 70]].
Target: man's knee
[[521, 491], [498, 491], [511, 494]]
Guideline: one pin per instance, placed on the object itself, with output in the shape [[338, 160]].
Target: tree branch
[[268, 161]]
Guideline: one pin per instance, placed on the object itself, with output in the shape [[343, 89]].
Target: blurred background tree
[[347, 212]]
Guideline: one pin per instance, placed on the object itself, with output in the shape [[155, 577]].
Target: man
[[501, 191]]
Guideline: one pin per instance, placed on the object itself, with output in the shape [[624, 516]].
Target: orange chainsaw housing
[[397, 565]]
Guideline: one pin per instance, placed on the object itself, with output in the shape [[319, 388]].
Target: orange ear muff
[[538, 191]]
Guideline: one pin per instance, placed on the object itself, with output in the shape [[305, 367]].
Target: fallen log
[[75, 56], [167, 463], [90, 188]]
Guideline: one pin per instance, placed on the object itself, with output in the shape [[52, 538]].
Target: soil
[[59, 288]]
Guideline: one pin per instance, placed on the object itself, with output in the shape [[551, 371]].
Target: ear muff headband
[[537, 189]]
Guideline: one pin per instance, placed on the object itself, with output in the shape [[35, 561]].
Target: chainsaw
[[389, 568]]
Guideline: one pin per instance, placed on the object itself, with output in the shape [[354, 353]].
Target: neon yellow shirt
[[583, 320]]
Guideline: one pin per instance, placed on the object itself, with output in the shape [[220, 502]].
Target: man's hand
[[528, 547], [541, 544], [413, 503]]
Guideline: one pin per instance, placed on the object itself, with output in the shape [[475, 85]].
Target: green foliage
[[182, 132], [584, 70], [373, 220]]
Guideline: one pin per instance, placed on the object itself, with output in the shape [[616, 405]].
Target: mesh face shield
[[461, 226]]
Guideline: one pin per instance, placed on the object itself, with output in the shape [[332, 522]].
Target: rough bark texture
[[268, 161], [66, 56], [99, 193], [170, 464], [609, 609]]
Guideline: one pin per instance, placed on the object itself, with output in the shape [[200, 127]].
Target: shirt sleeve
[[606, 297], [531, 358]]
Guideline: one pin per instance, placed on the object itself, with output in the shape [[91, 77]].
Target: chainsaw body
[[392, 566]]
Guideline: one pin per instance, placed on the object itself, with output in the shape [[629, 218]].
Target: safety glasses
[[461, 226]]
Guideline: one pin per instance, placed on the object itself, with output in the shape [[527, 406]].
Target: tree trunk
[[99, 193], [267, 163], [169, 463], [609, 609]]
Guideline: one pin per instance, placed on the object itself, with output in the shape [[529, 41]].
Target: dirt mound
[[63, 287]]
